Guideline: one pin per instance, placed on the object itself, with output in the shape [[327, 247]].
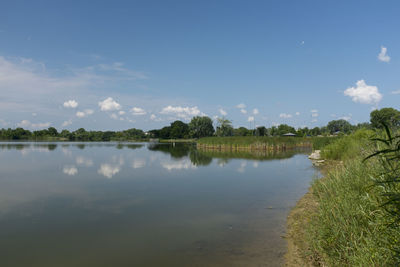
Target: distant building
[[288, 134]]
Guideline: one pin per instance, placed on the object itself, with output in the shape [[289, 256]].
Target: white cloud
[[363, 93], [28, 124], [314, 120], [66, 123], [255, 111], [84, 161], [3, 122], [383, 56], [24, 82], [86, 112], [346, 118], [80, 114], [297, 113], [243, 111], [109, 104], [153, 117], [121, 112], [241, 106], [70, 170], [138, 111], [250, 119], [396, 92], [138, 163], [108, 170], [70, 104], [184, 164], [182, 112], [114, 116], [285, 116], [242, 167], [314, 113], [223, 112], [24, 124]]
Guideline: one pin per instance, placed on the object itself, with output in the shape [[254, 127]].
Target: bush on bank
[[352, 225]]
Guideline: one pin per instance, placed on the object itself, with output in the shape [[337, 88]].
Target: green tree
[[389, 116], [179, 129], [261, 131], [165, 132], [242, 131], [284, 129], [52, 131], [201, 127], [315, 131], [224, 127], [339, 126]]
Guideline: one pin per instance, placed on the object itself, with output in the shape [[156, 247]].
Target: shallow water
[[110, 204]]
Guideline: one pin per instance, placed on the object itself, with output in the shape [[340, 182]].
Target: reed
[[352, 226]]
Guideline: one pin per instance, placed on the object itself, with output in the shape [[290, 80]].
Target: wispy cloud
[[70, 170], [285, 116], [28, 124], [70, 104], [182, 112], [85, 113], [222, 112], [138, 111], [383, 55], [24, 82], [66, 123]]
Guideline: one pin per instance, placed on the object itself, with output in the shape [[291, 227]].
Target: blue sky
[[143, 64]]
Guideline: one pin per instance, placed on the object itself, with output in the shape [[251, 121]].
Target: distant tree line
[[78, 135], [203, 127]]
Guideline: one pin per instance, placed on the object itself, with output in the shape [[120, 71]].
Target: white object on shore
[[316, 155]]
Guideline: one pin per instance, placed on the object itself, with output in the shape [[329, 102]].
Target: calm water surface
[[109, 204]]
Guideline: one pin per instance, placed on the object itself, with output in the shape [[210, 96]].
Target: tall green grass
[[351, 226], [348, 147], [315, 142]]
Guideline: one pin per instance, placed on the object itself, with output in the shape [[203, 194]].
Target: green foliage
[[284, 129], [388, 180], [201, 127], [179, 129], [339, 126], [224, 127], [349, 228], [261, 131], [358, 212], [387, 116], [256, 141], [242, 131], [347, 147]]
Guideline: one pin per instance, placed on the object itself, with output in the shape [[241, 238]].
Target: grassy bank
[[349, 223], [261, 143]]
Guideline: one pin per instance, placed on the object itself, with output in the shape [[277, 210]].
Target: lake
[[142, 204]]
